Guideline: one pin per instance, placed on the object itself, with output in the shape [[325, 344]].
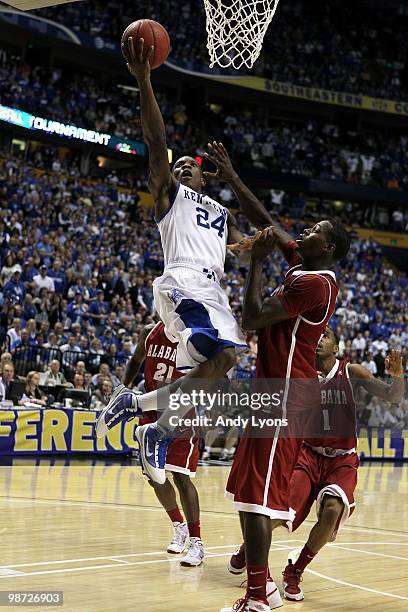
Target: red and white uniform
[[327, 465], [160, 369], [261, 472]]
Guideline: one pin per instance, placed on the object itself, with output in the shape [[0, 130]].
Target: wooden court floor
[[96, 532]]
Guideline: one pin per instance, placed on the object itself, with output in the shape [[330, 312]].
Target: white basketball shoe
[[179, 539]]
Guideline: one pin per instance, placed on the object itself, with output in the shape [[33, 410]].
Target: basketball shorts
[[196, 312], [260, 476], [315, 476], [184, 452]]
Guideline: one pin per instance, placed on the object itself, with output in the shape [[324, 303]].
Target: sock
[[175, 515], [147, 401], [305, 557], [173, 414], [257, 575], [194, 529], [159, 399]]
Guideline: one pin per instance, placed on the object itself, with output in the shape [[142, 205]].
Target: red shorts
[[260, 476], [315, 476], [183, 453]]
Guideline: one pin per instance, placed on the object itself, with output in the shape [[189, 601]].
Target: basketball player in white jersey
[[194, 231]]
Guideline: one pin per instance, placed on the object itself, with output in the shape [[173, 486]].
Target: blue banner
[[57, 431], [64, 431], [379, 443]]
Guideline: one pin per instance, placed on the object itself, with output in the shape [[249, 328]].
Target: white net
[[236, 29]]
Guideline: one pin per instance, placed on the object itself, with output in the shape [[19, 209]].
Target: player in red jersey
[[158, 353], [290, 325], [326, 470]]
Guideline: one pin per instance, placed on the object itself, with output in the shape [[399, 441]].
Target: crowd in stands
[[314, 150], [84, 101], [77, 265], [339, 45]]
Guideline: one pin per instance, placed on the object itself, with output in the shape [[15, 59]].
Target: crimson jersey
[[288, 349], [338, 409], [160, 361]]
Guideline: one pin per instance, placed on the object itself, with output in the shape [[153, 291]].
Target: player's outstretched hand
[[138, 60], [243, 245], [394, 364], [218, 155], [264, 243]]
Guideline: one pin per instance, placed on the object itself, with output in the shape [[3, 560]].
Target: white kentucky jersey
[[194, 231]]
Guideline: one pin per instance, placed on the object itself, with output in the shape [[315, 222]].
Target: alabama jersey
[[338, 410], [288, 349], [160, 361], [160, 369], [194, 231], [262, 468]]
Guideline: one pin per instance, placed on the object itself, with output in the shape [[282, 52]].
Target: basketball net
[[236, 29]]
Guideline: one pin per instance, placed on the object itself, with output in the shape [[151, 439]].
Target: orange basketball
[[153, 34]]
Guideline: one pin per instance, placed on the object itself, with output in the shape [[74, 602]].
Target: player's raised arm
[[249, 203], [257, 312], [239, 244], [162, 185], [393, 392], [138, 357]]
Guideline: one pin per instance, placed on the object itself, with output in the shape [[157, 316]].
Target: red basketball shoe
[[291, 580], [237, 563]]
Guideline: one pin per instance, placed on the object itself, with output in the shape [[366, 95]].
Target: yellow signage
[[392, 239], [313, 94]]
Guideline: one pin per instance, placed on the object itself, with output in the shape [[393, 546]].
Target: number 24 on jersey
[[218, 224]]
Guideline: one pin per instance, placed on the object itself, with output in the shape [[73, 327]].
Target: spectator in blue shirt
[[98, 310], [29, 310], [93, 289], [78, 287], [77, 310], [14, 290], [29, 270], [58, 276], [125, 354], [25, 340], [108, 338]]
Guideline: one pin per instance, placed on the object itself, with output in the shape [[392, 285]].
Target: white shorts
[[196, 312]]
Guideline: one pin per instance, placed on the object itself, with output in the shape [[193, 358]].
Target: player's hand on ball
[[218, 155], [138, 59], [394, 364], [264, 243]]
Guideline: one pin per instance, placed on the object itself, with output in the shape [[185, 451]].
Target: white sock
[[173, 414], [154, 400]]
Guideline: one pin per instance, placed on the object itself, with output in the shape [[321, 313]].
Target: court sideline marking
[[355, 586], [108, 565], [234, 515], [368, 552], [127, 555]]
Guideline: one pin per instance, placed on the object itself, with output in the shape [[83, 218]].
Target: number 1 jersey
[[194, 231]]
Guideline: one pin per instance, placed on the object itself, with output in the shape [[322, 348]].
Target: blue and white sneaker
[[153, 450], [122, 406]]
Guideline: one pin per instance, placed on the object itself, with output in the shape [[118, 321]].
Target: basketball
[[153, 34]]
